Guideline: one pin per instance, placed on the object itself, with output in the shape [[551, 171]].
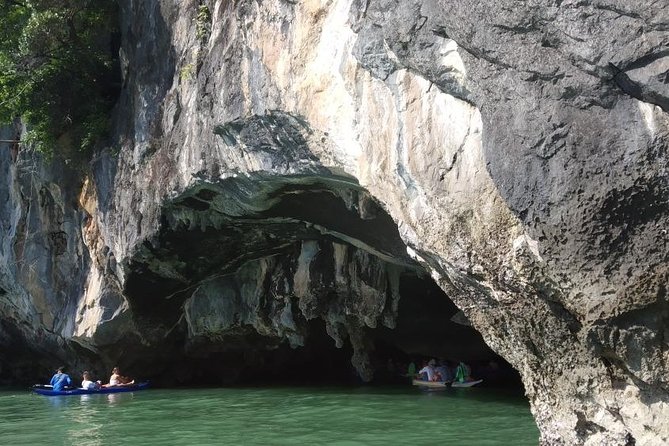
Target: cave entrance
[[290, 280], [428, 325]]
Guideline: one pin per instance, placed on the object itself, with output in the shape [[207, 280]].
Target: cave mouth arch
[[300, 279]]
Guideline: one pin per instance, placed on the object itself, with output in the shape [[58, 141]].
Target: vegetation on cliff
[[59, 69]]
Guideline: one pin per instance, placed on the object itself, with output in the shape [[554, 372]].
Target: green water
[[269, 416]]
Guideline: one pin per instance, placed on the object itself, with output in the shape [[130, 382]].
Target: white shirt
[[429, 370], [89, 385]]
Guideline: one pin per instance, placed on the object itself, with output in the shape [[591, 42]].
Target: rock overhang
[[268, 253]]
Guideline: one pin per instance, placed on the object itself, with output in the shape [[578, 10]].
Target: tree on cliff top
[[58, 69]]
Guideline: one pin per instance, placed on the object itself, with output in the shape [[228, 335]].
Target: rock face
[[43, 260], [285, 161]]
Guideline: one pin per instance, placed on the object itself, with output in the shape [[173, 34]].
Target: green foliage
[[57, 68], [203, 22], [187, 72]]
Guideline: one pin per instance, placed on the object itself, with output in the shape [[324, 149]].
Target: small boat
[[48, 390], [466, 383], [430, 384]]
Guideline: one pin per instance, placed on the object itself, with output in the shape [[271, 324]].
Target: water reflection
[[59, 402], [86, 414], [117, 398], [113, 398], [273, 416], [87, 422]]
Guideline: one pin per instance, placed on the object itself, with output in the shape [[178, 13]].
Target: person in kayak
[[443, 370], [463, 373], [116, 380], [88, 384], [411, 370], [60, 380], [429, 372]]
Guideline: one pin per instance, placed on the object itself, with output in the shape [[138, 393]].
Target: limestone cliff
[[280, 162], [43, 260]]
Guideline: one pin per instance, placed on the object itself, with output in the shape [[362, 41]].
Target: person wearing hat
[[430, 371]]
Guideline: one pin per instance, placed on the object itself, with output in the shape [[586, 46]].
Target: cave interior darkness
[[424, 330], [283, 218]]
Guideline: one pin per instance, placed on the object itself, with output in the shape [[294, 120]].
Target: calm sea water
[[269, 416]]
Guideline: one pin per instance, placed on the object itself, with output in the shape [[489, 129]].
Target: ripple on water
[[268, 416]]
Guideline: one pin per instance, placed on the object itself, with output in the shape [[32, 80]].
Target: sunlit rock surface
[[282, 162]]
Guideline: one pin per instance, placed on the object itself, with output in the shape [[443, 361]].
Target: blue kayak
[[48, 391]]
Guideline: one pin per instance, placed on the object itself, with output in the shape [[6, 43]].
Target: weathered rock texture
[[43, 260], [520, 150]]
